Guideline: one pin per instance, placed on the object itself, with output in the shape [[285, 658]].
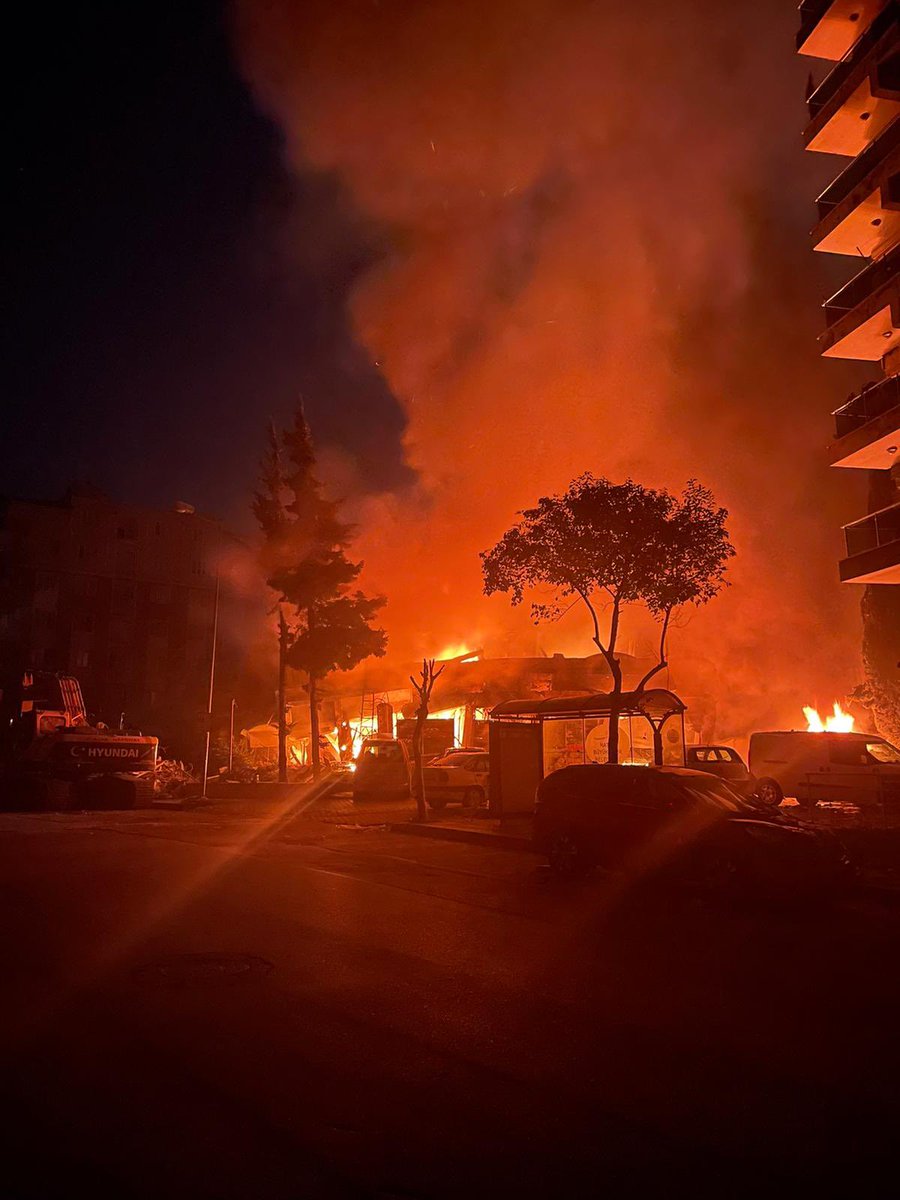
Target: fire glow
[[838, 722]]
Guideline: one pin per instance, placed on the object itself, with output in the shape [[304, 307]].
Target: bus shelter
[[529, 739]]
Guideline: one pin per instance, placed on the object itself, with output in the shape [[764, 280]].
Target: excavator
[[52, 757]]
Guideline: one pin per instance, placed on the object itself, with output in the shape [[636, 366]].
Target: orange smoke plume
[[596, 260]]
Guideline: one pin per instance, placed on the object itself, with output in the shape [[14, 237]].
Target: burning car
[[460, 775]]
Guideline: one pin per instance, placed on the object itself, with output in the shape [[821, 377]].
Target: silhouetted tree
[[423, 687], [303, 556], [610, 545]]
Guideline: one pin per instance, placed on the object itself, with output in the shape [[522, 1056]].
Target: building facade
[[854, 114], [122, 597]]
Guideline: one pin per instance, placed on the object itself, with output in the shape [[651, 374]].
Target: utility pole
[[282, 732], [212, 684], [231, 737]]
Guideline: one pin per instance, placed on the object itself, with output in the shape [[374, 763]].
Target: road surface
[[246, 1001]]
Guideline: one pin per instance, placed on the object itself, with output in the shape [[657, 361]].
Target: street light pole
[[231, 736], [212, 682]]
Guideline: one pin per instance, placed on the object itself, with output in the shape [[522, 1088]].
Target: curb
[[474, 837]]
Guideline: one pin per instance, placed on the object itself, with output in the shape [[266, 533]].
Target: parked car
[[457, 775], [382, 770], [725, 763], [682, 824], [856, 768]]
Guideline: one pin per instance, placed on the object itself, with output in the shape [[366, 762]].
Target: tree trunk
[[314, 727], [282, 728], [418, 779], [612, 746]]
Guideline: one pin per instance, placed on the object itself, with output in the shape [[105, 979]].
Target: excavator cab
[[56, 758]]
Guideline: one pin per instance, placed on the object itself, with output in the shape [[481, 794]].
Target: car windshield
[[456, 760], [386, 751], [712, 791], [883, 751]]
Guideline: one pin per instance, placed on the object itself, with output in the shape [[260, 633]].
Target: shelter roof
[[655, 703]]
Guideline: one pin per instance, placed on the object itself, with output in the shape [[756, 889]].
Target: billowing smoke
[[594, 218]]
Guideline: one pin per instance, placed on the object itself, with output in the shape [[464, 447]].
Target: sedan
[[682, 824], [725, 763], [460, 775]]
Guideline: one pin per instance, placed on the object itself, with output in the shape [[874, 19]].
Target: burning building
[[377, 697]]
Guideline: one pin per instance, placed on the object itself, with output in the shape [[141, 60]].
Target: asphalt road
[[245, 1001]]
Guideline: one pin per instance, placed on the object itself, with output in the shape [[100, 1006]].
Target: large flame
[[839, 722], [458, 651]]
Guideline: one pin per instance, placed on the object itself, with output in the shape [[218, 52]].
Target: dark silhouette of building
[[854, 113], [122, 597]]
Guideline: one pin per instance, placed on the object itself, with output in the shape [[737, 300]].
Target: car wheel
[[567, 855], [437, 803], [769, 792]]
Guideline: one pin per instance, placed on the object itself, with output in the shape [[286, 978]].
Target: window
[[383, 751], [846, 753], [883, 751], [640, 790]]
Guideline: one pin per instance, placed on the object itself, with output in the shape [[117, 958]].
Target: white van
[[856, 768]]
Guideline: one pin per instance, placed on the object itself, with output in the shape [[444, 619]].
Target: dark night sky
[[159, 313]]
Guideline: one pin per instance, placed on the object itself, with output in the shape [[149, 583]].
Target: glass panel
[[596, 735], [639, 747], [563, 744], [673, 742]]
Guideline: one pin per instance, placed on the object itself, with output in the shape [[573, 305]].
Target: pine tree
[[304, 558]]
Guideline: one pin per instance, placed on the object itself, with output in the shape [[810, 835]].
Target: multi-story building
[[122, 597], [854, 114]]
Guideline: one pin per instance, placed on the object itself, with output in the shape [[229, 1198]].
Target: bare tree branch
[[423, 688], [663, 662]]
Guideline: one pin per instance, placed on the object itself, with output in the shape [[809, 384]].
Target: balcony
[[873, 548], [859, 213], [829, 28], [863, 319], [860, 96], [867, 428]]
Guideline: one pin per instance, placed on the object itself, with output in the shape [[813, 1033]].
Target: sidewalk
[[513, 834], [306, 791]]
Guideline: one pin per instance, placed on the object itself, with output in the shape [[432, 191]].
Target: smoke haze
[[593, 219]]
